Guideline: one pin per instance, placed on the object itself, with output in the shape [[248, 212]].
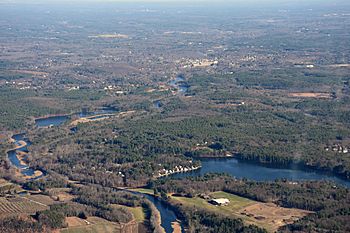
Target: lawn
[[137, 212], [236, 203], [143, 190]]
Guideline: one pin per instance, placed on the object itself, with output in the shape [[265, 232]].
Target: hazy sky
[[256, 3]]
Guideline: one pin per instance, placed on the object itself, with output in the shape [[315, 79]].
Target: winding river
[[12, 155]]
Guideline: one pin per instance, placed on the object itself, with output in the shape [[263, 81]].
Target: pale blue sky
[[255, 3]]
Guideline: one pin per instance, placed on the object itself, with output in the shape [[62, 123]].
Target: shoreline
[[21, 156], [51, 115], [172, 172], [296, 166]]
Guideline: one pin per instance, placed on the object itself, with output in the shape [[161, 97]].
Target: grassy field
[[137, 212], [91, 225], [143, 190], [236, 202], [265, 215]]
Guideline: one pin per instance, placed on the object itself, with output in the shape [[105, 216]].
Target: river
[[167, 214], [12, 155]]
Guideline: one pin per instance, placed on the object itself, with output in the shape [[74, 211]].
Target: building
[[220, 201]]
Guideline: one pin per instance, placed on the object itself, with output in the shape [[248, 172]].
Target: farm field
[[19, 205], [265, 215]]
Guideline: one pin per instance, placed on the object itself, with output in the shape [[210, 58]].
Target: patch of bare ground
[[111, 36], [340, 66], [98, 225], [101, 117], [273, 215], [39, 198], [310, 95], [75, 221], [176, 227], [61, 194], [31, 72], [36, 174]]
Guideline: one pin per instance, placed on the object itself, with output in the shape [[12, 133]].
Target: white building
[[220, 201]]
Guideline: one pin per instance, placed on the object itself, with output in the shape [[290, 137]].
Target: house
[[220, 201]]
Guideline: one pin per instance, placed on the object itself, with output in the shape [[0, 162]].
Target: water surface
[[252, 171]]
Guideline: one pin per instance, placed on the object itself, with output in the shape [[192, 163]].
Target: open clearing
[[75, 221], [310, 95], [142, 190], [266, 215], [31, 72], [111, 36], [137, 212], [93, 225], [44, 199], [92, 118]]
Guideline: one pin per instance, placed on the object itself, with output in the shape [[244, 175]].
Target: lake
[[258, 172]]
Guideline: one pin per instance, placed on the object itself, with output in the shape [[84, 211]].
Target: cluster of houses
[[177, 169], [338, 148]]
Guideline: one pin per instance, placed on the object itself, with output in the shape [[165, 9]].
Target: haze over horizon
[[179, 1]]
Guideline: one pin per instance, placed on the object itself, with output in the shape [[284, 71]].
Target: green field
[[97, 225], [236, 203], [137, 212], [143, 190]]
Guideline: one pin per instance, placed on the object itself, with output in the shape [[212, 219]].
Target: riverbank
[[51, 115], [300, 165], [99, 117], [17, 157], [169, 219]]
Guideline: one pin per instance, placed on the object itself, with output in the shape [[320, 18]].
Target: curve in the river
[[167, 214], [15, 161]]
